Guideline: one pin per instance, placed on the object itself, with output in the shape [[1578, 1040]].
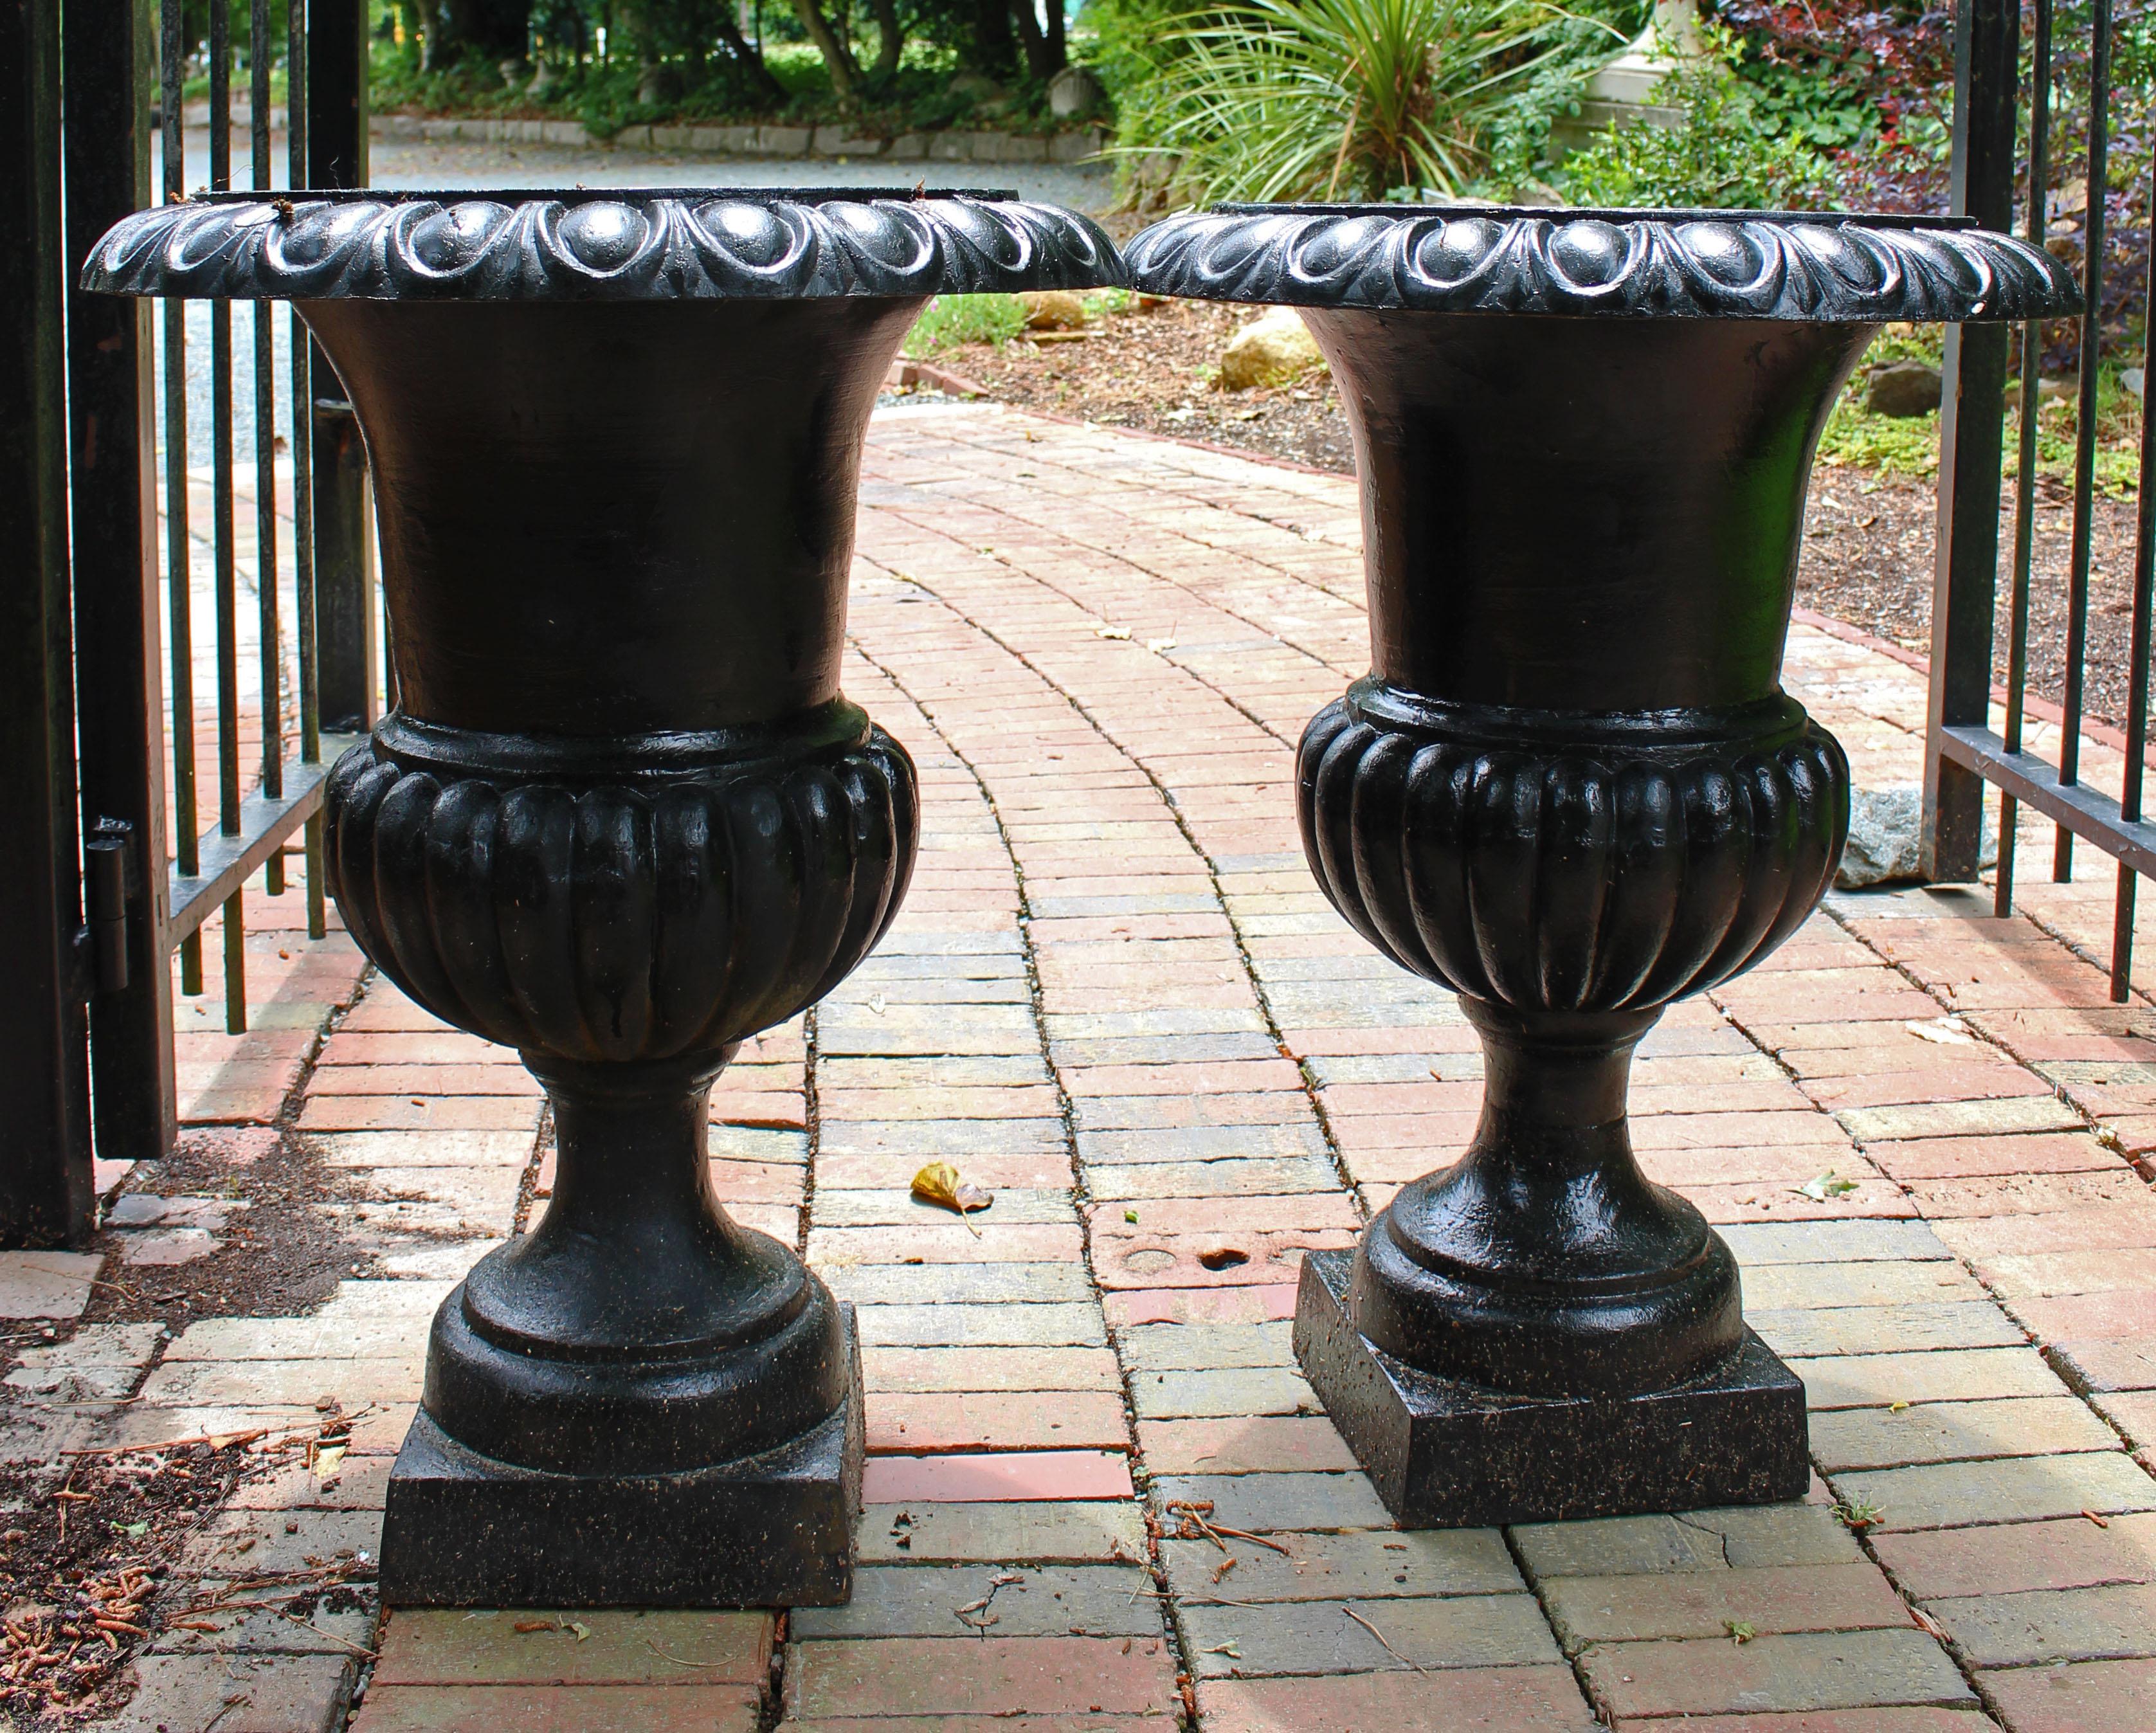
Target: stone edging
[[837, 143]]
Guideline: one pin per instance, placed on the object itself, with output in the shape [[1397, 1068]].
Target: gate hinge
[[104, 875]]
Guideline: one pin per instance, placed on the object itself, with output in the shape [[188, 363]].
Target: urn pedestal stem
[[1571, 789]]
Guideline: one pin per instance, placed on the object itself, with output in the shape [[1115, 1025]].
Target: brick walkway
[[1116, 998]]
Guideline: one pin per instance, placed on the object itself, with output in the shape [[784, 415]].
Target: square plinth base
[[462, 1530], [1445, 1454]]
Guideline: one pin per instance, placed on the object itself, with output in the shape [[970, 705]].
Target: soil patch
[[1869, 539], [83, 1550], [282, 1251]]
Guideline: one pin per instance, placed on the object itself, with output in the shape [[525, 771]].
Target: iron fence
[[141, 811], [1963, 752]]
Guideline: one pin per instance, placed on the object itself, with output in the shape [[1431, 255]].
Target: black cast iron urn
[[1571, 788], [622, 816]]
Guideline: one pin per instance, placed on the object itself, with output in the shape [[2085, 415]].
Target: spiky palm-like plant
[[1263, 100]]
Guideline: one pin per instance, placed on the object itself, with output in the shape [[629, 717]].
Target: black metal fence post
[[1987, 40], [346, 651], [46, 1193], [120, 720]]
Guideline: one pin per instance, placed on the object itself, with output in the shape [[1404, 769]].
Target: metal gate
[[131, 811], [1963, 752]]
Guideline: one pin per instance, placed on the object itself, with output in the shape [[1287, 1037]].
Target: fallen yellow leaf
[[939, 1183]]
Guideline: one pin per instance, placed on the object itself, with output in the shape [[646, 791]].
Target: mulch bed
[[1868, 546]]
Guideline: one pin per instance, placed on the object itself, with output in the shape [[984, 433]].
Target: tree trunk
[[845, 73], [491, 30], [761, 78], [1059, 54], [1038, 53], [890, 38], [991, 37]]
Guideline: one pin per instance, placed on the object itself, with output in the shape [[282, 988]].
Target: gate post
[[345, 606], [46, 1194], [1964, 586], [121, 723]]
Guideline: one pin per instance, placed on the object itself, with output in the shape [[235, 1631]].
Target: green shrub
[[1333, 98], [952, 319], [1728, 152]]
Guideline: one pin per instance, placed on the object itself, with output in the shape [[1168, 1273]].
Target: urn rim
[[1820, 267], [603, 243]]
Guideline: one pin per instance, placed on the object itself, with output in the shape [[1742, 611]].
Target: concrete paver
[[1116, 998]]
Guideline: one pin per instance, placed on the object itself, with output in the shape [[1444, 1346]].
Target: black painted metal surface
[[622, 816], [120, 716], [1571, 788], [45, 1194]]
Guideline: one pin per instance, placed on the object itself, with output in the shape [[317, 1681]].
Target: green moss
[[952, 319]]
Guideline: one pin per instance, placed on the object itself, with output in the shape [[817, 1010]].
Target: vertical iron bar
[[347, 658], [2093, 228], [1971, 436], [46, 1190], [303, 467], [221, 511], [2136, 693], [179, 556], [119, 727], [2024, 490], [272, 647]]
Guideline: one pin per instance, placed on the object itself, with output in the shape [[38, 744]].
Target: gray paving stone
[[1345, 1567], [1948, 1375], [1875, 1281], [268, 1630], [1758, 1536], [891, 1206], [939, 1139], [1318, 1636], [1799, 1331], [422, 1148], [997, 1325], [274, 1694], [758, 1143], [1160, 1049], [1813, 1671], [1950, 1496], [924, 1284], [1226, 1178], [1738, 1536], [1197, 1143], [1759, 1243], [46, 1284], [1266, 1504], [936, 1601], [239, 1543], [1046, 1532], [1951, 1431], [1615, 1546], [1203, 1347], [1705, 1603], [1960, 1118], [2114, 1622], [298, 1383], [1235, 1390]]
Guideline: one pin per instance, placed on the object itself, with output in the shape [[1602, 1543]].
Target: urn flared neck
[[1583, 514], [607, 519]]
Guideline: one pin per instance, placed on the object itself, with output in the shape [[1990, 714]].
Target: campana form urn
[[622, 816], [1571, 788]]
